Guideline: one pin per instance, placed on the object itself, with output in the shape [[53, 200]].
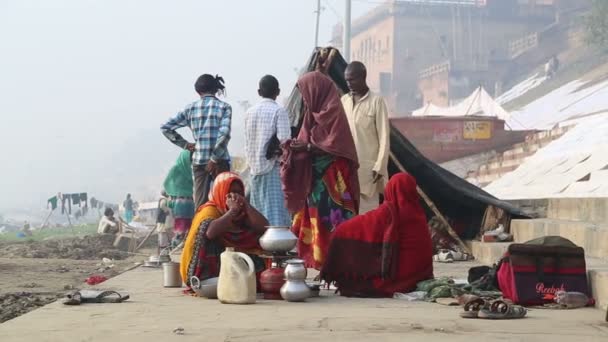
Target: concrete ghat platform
[[154, 312]]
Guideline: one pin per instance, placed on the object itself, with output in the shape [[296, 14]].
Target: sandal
[[473, 307], [94, 296], [502, 310]]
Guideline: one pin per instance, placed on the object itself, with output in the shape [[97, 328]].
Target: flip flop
[[502, 310], [93, 296], [473, 307]]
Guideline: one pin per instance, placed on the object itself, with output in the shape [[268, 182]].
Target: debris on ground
[[93, 247], [17, 304]]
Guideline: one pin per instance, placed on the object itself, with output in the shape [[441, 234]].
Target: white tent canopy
[[479, 103]]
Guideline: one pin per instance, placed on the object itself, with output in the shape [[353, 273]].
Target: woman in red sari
[[385, 251], [319, 169]]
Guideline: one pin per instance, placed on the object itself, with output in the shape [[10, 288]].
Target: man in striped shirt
[[209, 119]]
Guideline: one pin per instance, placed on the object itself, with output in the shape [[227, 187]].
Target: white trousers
[[368, 203]]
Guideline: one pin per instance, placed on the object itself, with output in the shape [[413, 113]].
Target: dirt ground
[[33, 274]]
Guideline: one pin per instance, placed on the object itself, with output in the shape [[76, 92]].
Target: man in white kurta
[[368, 120]]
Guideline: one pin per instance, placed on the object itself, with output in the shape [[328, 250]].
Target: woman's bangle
[[308, 147]]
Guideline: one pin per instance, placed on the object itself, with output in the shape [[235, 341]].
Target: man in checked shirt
[[209, 119]]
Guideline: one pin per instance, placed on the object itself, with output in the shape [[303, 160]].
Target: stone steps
[[591, 236], [579, 209]]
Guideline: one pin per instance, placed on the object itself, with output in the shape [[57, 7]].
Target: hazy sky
[[85, 84]]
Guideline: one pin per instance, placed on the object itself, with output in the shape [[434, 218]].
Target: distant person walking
[[266, 127], [209, 119], [368, 120], [129, 206]]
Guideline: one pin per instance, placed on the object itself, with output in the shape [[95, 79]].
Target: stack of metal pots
[[295, 288]]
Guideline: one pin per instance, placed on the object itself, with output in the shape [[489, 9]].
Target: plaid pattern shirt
[[264, 120], [209, 119]]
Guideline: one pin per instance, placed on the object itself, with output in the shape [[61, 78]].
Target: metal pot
[[295, 291], [206, 288], [295, 270], [278, 239], [171, 276]]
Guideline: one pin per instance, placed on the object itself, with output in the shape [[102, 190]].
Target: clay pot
[[271, 281]]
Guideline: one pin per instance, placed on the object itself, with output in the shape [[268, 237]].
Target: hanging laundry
[[94, 203], [65, 198], [76, 199], [53, 202], [83, 198]]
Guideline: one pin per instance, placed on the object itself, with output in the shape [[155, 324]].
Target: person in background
[[385, 251], [179, 186], [164, 222], [368, 121], [319, 169], [226, 220], [129, 208], [108, 224], [266, 122], [27, 229], [209, 119]]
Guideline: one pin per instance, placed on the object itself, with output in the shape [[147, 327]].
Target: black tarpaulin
[[457, 199]]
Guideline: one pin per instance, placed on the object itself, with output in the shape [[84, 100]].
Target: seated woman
[[226, 220], [385, 251]]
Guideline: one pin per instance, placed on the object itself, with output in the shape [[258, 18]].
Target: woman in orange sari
[[226, 220], [319, 170]]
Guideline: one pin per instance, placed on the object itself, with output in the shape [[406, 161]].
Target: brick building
[[439, 51]]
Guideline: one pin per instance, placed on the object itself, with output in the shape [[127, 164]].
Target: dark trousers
[[202, 181]]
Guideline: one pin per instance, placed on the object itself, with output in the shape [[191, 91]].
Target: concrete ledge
[[592, 237], [488, 253], [579, 209]]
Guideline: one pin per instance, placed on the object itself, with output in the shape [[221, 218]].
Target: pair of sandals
[[94, 296], [498, 309]]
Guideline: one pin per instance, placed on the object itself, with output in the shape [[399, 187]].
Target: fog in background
[[86, 84]]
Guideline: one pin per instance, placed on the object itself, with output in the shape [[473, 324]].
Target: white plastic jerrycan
[[236, 284]]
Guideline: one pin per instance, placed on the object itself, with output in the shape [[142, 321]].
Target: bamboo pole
[[436, 211]]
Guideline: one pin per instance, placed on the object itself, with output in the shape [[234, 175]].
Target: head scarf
[[178, 182], [325, 126], [367, 246], [221, 188]]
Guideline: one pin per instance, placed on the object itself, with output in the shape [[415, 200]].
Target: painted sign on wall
[[477, 130]]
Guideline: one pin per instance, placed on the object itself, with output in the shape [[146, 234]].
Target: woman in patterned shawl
[[226, 220], [319, 170]]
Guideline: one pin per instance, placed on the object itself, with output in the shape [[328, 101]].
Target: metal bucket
[[171, 276]]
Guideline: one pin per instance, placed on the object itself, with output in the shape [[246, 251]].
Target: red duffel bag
[[531, 273]]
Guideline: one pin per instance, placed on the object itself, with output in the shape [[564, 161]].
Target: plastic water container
[[236, 283]]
